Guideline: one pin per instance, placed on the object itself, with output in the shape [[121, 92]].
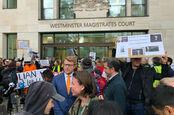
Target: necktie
[[68, 83]]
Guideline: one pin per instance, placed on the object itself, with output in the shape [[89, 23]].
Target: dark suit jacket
[[116, 91], [62, 108]]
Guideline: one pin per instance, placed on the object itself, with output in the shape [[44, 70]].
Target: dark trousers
[[135, 109]]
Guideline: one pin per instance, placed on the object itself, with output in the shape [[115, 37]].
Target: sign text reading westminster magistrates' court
[[93, 24]]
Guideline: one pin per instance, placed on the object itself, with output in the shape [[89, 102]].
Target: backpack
[[100, 82]]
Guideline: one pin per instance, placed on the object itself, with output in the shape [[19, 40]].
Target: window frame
[[43, 9], [108, 16], [145, 6], [60, 7], [7, 36]]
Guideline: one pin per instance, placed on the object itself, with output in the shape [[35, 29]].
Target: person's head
[[18, 64], [57, 62], [47, 58], [144, 61], [86, 63], [40, 96], [70, 63], [156, 61], [167, 81], [97, 59], [162, 100], [136, 62], [170, 61], [50, 59], [111, 66], [90, 57], [103, 107], [47, 75], [12, 64], [83, 84]]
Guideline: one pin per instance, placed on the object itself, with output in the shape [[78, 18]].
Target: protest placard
[[139, 46], [22, 44], [44, 62], [29, 77], [93, 55]]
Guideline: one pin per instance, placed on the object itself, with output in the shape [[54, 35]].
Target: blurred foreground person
[[83, 86], [103, 107], [162, 100], [39, 99]]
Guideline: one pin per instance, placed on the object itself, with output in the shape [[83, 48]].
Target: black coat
[[147, 76], [116, 91]]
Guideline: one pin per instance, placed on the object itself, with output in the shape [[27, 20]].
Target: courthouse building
[[54, 26]]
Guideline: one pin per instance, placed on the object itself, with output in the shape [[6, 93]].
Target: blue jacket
[[62, 108]]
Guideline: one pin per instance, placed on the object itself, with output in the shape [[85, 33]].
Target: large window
[[57, 44], [139, 7], [66, 9], [11, 45], [11, 3], [47, 9], [117, 8]]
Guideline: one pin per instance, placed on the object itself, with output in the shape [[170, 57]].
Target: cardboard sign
[[93, 55], [29, 77], [22, 44], [139, 46], [44, 62]]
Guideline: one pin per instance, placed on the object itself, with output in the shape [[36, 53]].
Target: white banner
[[139, 46], [29, 77]]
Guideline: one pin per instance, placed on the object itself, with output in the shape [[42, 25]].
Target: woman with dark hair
[[83, 86]]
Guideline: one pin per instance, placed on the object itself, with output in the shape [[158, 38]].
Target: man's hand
[[101, 97], [164, 58]]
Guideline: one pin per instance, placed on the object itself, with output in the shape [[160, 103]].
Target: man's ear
[[169, 110], [82, 87]]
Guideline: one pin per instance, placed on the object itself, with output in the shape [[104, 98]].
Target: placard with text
[[139, 46]]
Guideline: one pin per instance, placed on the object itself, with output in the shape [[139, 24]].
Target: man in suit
[[116, 88], [62, 83]]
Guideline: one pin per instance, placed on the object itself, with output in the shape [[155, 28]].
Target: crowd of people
[[106, 86]]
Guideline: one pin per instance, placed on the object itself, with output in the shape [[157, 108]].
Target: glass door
[[100, 51], [61, 53]]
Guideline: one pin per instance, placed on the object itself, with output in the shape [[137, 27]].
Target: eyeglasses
[[69, 65]]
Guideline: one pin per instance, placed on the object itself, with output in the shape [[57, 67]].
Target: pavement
[[3, 106]]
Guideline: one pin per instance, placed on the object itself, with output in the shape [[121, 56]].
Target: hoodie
[[36, 99]]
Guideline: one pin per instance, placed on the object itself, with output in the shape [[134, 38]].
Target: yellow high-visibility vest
[[158, 69], [58, 68]]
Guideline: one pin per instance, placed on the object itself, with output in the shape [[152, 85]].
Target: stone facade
[[25, 21]]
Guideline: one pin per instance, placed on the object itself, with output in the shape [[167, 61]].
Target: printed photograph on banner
[[152, 48], [138, 51], [155, 38]]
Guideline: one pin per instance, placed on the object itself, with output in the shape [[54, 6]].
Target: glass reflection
[[138, 1], [138, 10], [47, 38], [117, 11]]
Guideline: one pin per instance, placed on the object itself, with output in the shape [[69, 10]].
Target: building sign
[[93, 24], [139, 46]]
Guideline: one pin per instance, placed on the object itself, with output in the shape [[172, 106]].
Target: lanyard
[[84, 107]]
